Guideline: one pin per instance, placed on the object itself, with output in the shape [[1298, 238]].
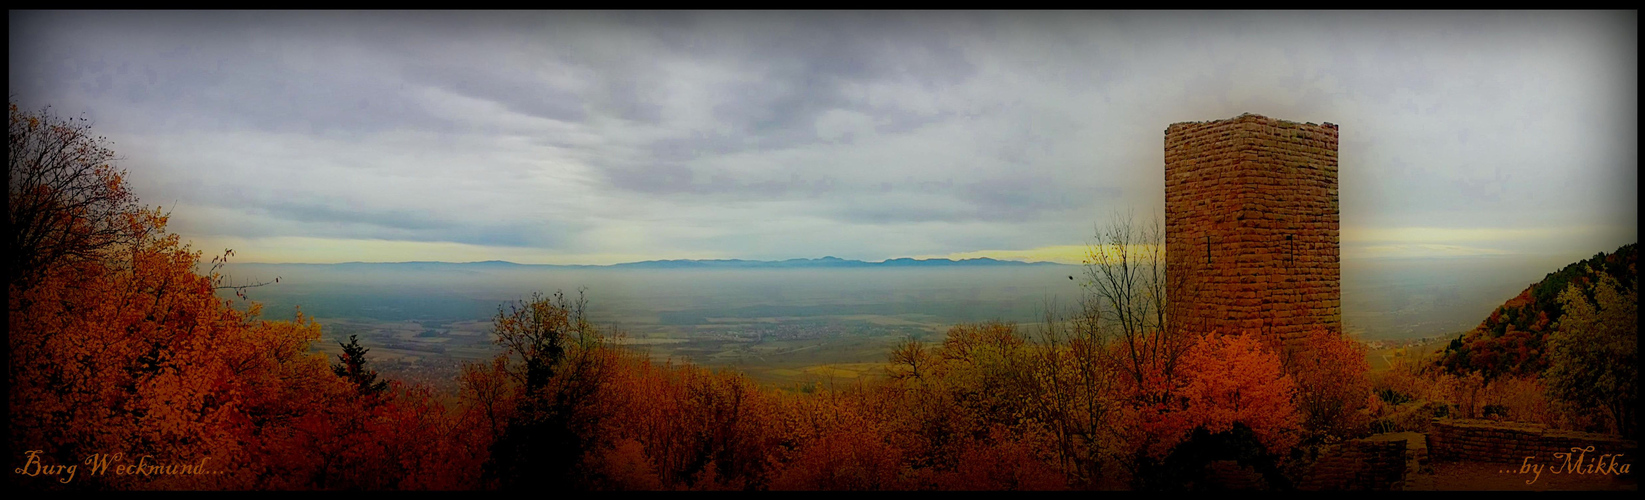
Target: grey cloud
[[885, 214], [324, 222], [961, 130], [315, 212], [514, 88], [200, 62], [677, 179], [655, 178], [998, 200], [695, 145], [802, 70], [1023, 197]]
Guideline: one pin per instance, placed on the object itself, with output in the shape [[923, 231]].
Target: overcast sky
[[596, 138]]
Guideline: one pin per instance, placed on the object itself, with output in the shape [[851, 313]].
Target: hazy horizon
[[1384, 299], [955, 259]]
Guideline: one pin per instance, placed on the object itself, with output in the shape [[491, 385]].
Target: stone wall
[[1223, 475], [1251, 225], [1359, 465], [1508, 442]]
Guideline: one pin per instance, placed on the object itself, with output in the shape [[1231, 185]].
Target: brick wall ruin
[[1251, 220], [1508, 442], [1383, 462], [1360, 465]]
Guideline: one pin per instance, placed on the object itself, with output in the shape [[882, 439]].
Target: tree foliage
[[65, 200], [554, 357], [1514, 339], [1595, 352], [351, 365], [1125, 301], [119, 346], [1333, 389]]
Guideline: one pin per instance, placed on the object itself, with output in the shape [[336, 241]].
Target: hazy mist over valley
[[1383, 298], [777, 319], [636, 297], [777, 322], [1394, 299]]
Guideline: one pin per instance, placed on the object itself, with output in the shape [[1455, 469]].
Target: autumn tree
[[1595, 352], [1515, 339], [132, 352], [989, 373], [555, 357], [116, 344], [837, 440], [1234, 402], [1126, 338], [65, 200], [119, 345], [1075, 392], [911, 358], [1125, 302], [1332, 384]]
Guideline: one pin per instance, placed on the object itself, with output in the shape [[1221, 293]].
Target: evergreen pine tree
[[352, 366]]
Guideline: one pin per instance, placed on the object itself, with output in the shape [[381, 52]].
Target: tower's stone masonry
[[1251, 216]]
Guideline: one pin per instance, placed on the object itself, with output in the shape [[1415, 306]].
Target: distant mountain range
[[825, 262]]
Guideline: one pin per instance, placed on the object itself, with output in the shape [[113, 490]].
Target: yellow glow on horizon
[[1420, 250], [1399, 242], [1061, 254], [1442, 236], [1429, 242], [309, 250]]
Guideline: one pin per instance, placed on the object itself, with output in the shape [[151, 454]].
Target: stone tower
[[1251, 225]]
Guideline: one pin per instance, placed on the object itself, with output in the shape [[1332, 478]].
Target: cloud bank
[[555, 137]]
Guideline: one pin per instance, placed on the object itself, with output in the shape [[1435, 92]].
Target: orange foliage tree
[[1231, 400], [117, 345], [1333, 390], [121, 350], [65, 200], [1235, 378]]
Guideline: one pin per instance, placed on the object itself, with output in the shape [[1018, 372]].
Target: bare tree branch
[[1127, 303], [64, 199]]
